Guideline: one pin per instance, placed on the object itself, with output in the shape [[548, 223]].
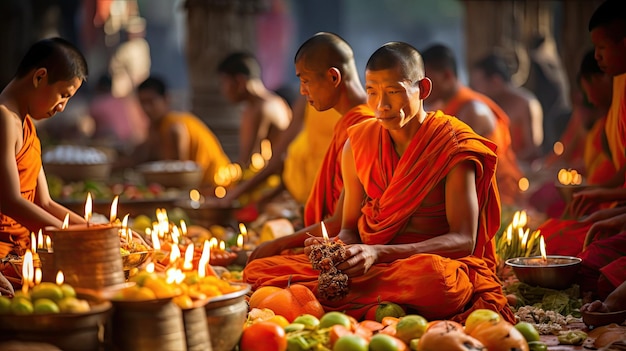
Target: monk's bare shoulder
[[276, 110], [478, 116], [10, 129]]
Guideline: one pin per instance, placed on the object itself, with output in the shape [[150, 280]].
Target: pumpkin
[[260, 294], [453, 340], [293, 301], [499, 336]]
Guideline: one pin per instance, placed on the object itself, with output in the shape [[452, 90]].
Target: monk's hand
[[361, 257], [605, 227], [6, 289], [312, 241], [585, 200], [595, 306]]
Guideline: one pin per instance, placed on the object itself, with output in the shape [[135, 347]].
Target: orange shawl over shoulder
[[616, 122], [598, 163], [329, 182], [204, 147], [508, 173], [28, 161]]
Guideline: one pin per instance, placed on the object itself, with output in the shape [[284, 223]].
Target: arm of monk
[[461, 212], [478, 116], [179, 150], [43, 199], [12, 203]]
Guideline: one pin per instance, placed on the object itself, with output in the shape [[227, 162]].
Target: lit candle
[[38, 275], [40, 241], [66, 221], [324, 232], [188, 263], [222, 245], [183, 227], [33, 242], [60, 278], [156, 243], [240, 241], [113, 215], [542, 248], [174, 254], [49, 243], [88, 208], [205, 258], [27, 271], [150, 267]]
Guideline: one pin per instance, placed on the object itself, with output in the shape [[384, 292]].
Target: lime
[[45, 306], [350, 342], [528, 331], [68, 290], [478, 316], [293, 327], [73, 305], [383, 342], [310, 321], [331, 318], [46, 290], [21, 306], [388, 309], [5, 305], [411, 327]]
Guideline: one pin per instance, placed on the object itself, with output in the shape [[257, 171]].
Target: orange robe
[[204, 147], [28, 161], [616, 122], [598, 162], [431, 285], [508, 173], [329, 182]]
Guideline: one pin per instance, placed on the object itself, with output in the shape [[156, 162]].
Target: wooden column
[[215, 28]]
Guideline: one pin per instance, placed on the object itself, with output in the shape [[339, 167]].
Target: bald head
[[398, 54], [440, 57], [325, 50]]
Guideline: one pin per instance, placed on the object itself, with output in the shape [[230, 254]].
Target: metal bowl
[[172, 174], [225, 316], [558, 272]]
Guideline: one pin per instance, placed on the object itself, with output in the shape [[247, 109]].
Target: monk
[[491, 76], [478, 111], [329, 80], [421, 205], [265, 114], [49, 74], [177, 135]]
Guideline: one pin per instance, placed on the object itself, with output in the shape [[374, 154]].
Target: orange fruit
[[292, 302], [263, 336], [260, 294]]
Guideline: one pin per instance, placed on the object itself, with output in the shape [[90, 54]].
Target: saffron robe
[[306, 152], [12, 234], [616, 122], [431, 285], [204, 147], [329, 182], [599, 166], [508, 173]]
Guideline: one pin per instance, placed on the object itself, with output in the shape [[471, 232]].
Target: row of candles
[[517, 241]]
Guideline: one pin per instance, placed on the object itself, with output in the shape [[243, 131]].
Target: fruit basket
[[75, 163], [176, 174]]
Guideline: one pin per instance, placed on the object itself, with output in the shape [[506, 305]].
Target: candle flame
[[242, 229], [175, 235], [27, 270], [88, 208], [266, 149], [525, 239], [113, 215], [156, 244], [220, 192], [542, 248], [523, 219], [257, 162], [48, 243], [66, 221], [188, 264], [174, 254], [40, 240], [213, 242], [240, 241], [509, 234], [150, 267], [516, 219], [324, 232], [33, 242], [205, 257], [60, 278], [222, 245], [38, 275], [125, 223], [170, 276], [183, 227]]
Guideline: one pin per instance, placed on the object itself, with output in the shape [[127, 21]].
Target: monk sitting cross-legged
[[329, 80], [420, 210]]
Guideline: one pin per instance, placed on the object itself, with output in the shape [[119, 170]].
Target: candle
[[542, 249], [60, 278], [324, 233], [150, 267], [188, 262], [113, 215], [40, 241], [240, 241], [66, 221], [183, 227], [38, 275], [49, 244], [205, 258], [88, 207], [27, 271]]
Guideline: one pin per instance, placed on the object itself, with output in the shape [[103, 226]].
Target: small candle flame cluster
[[31, 267], [518, 241], [232, 173], [332, 283], [569, 177], [41, 242]]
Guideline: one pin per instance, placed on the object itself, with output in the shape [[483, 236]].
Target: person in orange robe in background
[[50, 73], [478, 111], [329, 80], [421, 206]]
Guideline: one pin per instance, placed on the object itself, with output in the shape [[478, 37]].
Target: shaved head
[[326, 50], [398, 54]]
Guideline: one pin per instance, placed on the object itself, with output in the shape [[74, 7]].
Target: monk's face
[[394, 99], [319, 88], [598, 89], [610, 51], [480, 82], [232, 87], [153, 104], [49, 99]]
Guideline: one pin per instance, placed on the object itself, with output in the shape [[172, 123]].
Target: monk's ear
[[426, 86], [39, 76], [335, 76]]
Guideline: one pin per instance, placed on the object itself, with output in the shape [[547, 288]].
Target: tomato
[[263, 336], [350, 343]]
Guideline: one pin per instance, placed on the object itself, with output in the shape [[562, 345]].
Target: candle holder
[[552, 272]]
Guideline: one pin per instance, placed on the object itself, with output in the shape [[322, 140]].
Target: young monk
[[265, 114], [421, 205], [177, 135], [50, 73], [329, 80], [478, 111], [491, 76]]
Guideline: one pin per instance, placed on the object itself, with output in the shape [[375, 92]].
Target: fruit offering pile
[[44, 298]]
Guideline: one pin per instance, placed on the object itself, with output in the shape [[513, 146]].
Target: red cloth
[[455, 287], [603, 259], [329, 182], [28, 161], [508, 173], [564, 237]]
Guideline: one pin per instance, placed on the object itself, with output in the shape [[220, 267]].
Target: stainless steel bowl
[[558, 272]]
